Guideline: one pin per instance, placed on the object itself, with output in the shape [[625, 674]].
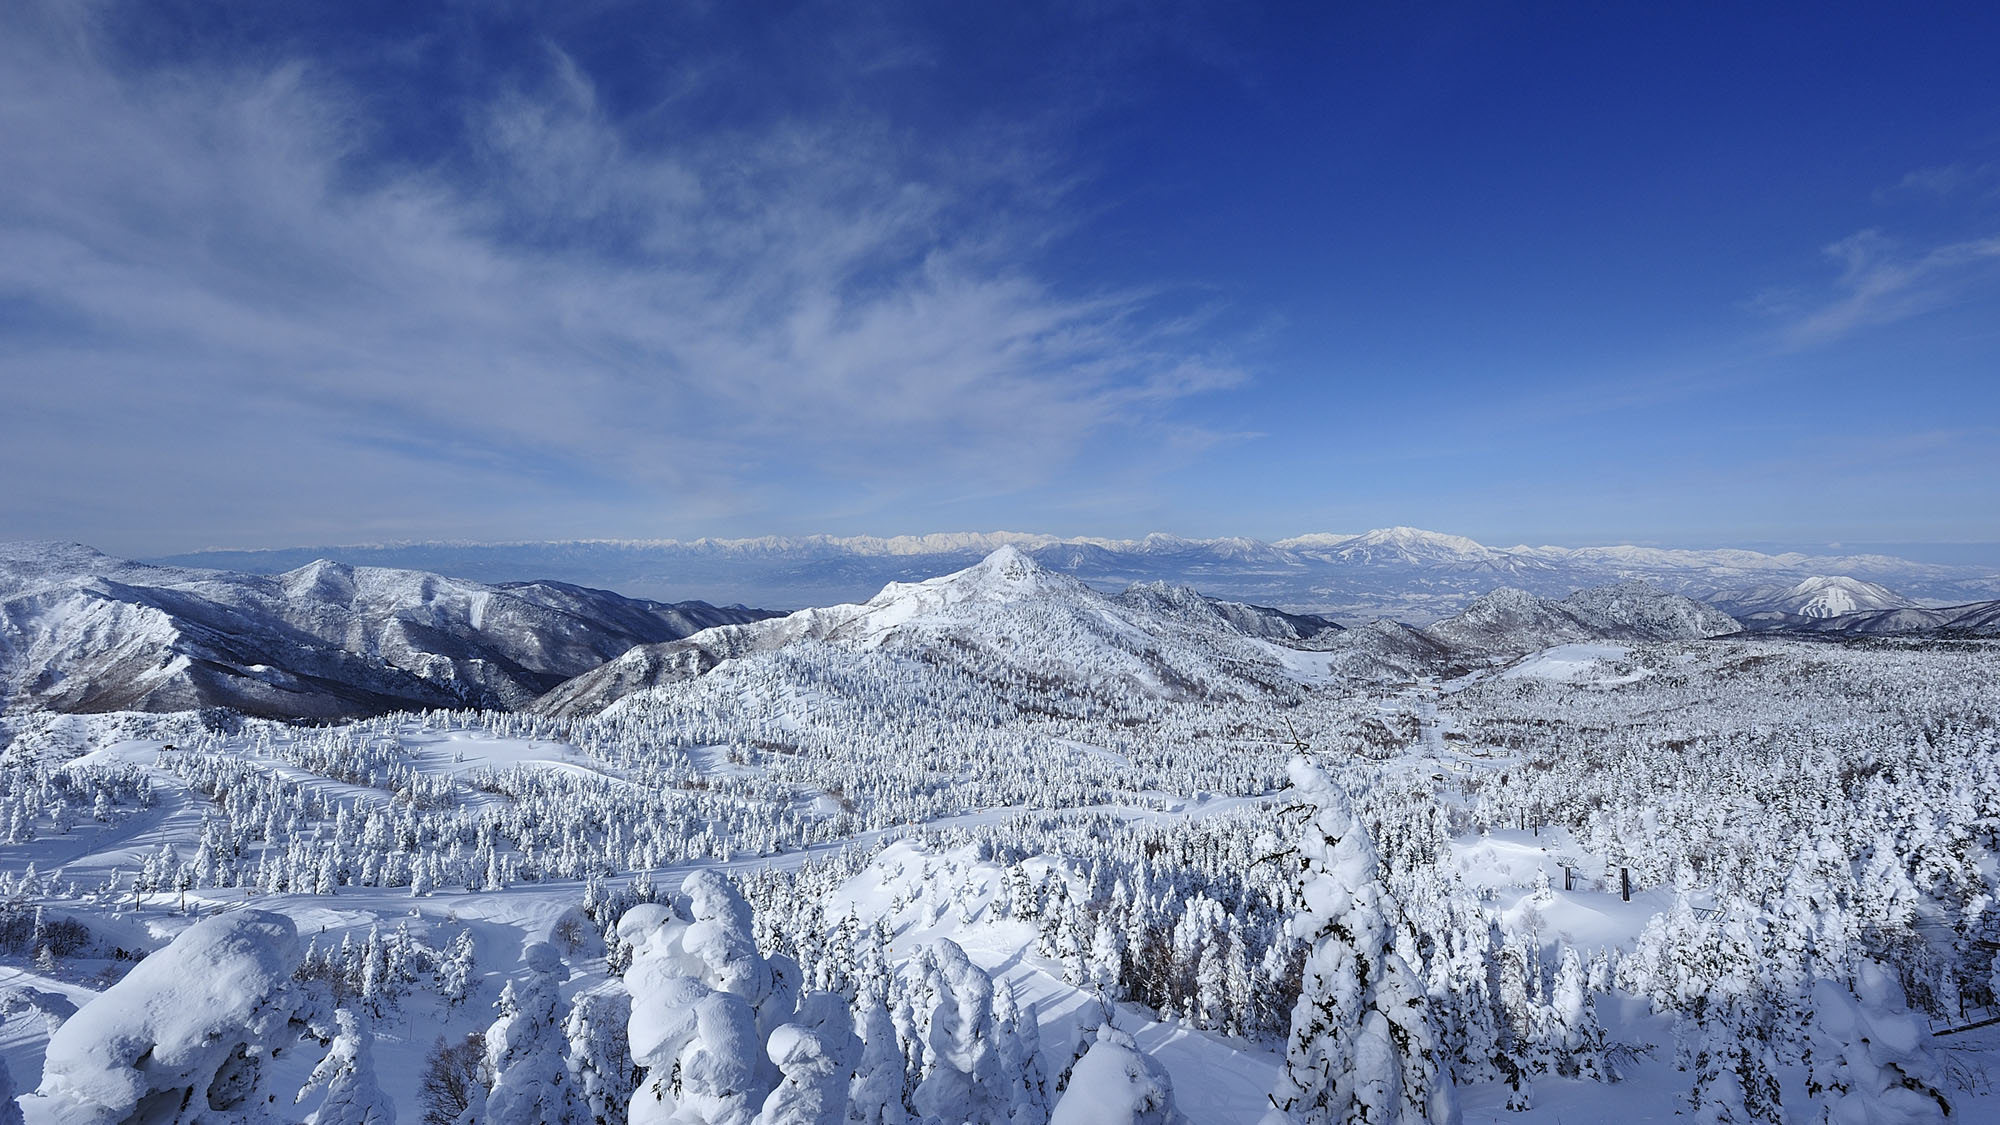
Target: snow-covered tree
[[875, 1094], [815, 1055], [1874, 1065], [1105, 967], [1576, 1036], [525, 1045], [1018, 1040], [700, 989], [1115, 1083], [348, 1074], [1528, 1049], [961, 1070], [1361, 1048], [1462, 1003], [455, 970], [600, 1063]]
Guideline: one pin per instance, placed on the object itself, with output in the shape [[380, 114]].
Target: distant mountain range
[[1979, 619], [1007, 619], [1404, 573], [82, 631]]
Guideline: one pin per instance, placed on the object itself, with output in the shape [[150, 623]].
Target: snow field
[[1758, 793]]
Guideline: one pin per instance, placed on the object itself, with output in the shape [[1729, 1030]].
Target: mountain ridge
[[84, 631], [1401, 572], [1006, 618]]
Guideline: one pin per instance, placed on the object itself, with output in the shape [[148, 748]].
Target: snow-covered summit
[[1818, 596], [1005, 616], [82, 631], [1006, 575], [1831, 596], [1414, 543]]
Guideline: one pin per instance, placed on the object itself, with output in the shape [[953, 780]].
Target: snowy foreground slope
[[880, 864]]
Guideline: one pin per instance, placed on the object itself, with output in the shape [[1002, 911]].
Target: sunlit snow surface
[[1580, 663], [923, 891]]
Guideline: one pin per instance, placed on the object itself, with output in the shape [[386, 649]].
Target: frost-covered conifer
[[1361, 1048], [1114, 1083], [815, 1054], [875, 1094], [1462, 1004], [700, 989], [1733, 1083], [348, 1074], [525, 1044], [1527, 1045], [1019, 1042], [455, 971], [1106, 964], [600, 1062], [1874, 1066], [961, 1077], [1576, 1036], [375, 985]]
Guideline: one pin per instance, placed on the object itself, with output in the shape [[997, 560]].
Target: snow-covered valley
[[996, 846]]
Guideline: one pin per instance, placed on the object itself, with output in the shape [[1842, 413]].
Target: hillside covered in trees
[[1001, 848]]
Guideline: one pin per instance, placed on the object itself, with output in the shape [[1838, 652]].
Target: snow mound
[[1114, 1084], [196, 1019]]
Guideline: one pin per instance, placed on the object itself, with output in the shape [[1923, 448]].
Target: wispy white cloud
[[1881, 281], [1944, 181], [205, 269]]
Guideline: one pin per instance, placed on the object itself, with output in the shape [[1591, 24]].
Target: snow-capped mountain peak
[[1815, 598], [1005, 619], [1833, 595], [1418, 541], [1007, 570], [1005, 575]]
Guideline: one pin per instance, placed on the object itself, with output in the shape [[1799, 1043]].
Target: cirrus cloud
[[571, 324]]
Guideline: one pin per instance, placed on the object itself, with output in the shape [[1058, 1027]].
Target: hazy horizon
[[1942, 553]]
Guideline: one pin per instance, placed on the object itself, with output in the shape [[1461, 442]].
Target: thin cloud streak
[[1880, 283]]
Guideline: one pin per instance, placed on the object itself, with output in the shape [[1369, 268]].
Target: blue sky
[[1695, 275]]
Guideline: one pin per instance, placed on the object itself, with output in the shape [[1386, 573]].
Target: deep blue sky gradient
[[1688, 274]]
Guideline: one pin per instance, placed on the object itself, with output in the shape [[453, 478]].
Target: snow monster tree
[[1361, 1050]]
